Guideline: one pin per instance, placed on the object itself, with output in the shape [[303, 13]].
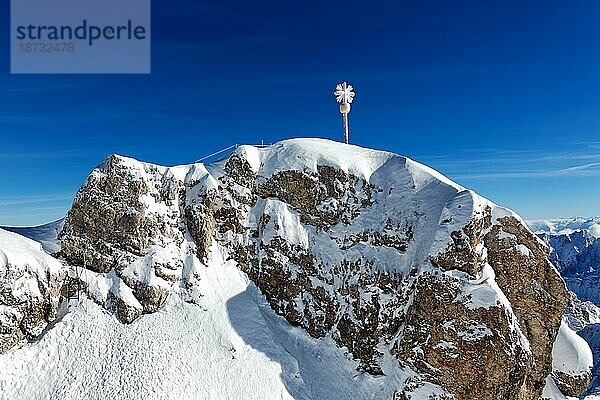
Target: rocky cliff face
[[31, 286], [377, 252]]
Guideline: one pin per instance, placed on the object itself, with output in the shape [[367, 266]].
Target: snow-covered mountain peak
[[412, 278]]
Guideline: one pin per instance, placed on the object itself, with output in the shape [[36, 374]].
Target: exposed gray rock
[[31, 288]]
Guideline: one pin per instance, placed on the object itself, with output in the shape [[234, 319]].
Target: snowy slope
[[30, 285], [571, 354], [46, 234], [187, 351], [18, 250]]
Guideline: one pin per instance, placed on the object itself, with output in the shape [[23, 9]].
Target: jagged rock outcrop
[[575, 250], [124, 227], [379, 253], [31, 287]]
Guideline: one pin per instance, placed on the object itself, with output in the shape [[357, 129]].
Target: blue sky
[[501, 96]]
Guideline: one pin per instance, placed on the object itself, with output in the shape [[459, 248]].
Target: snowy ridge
[[18, 250], [46, 235], [31, 284]]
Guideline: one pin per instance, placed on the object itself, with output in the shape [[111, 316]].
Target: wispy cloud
[[493, 164], [578, 170], [32, 216], [594, 145], [76, 153], [33, 200], [45, 88], [222, 43], [20, 119]]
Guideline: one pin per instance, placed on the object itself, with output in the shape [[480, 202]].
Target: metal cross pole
[[345, 124], [344, 95]]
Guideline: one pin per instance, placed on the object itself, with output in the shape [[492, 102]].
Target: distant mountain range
[[575, 244]]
